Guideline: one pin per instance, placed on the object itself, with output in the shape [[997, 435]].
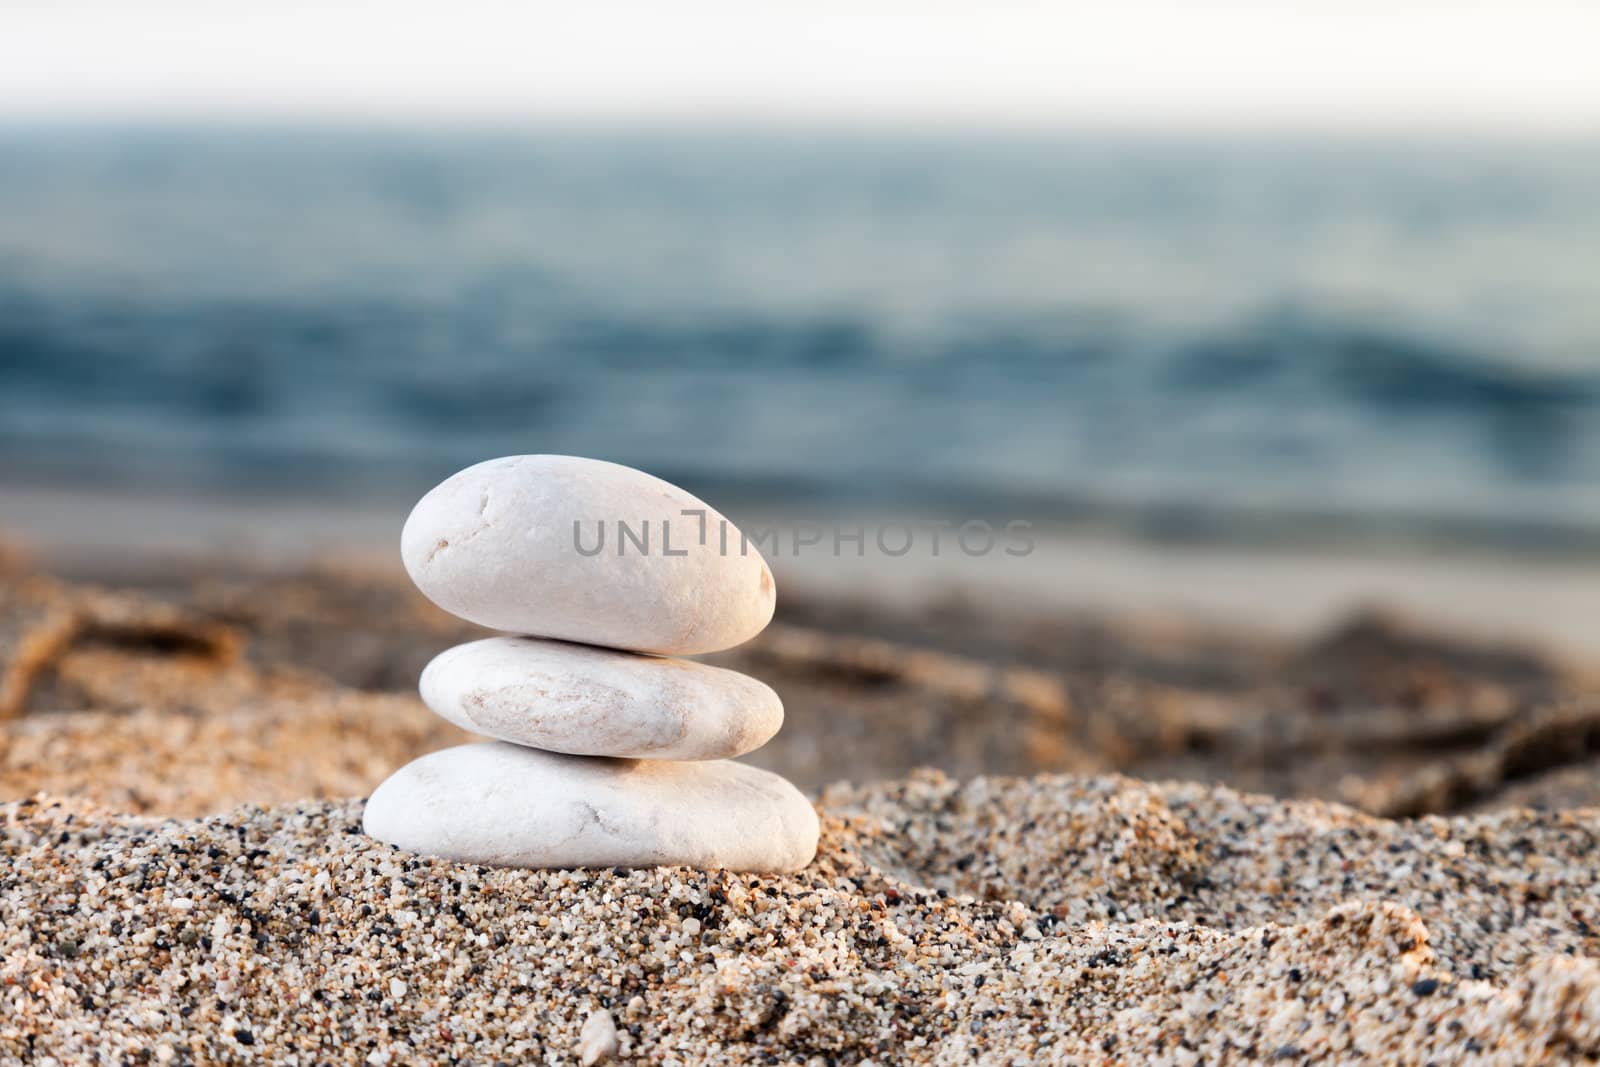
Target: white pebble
[[598, 702], [505, 805], [598, 1041], [511, 544]]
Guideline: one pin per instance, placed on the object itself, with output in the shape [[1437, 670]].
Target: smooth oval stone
[[506, 544], [598, 702], [504, 805]]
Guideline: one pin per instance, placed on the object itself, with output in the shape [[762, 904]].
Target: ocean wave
[[1153, 336]]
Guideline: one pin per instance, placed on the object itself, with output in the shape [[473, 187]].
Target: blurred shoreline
[[1258, 382], [1273, 589], [1175, 338]]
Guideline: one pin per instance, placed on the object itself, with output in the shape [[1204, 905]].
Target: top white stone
[[587, 551]]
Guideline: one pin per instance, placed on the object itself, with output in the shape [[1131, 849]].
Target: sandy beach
[[810, 534], [940, 924], [1073, 838]]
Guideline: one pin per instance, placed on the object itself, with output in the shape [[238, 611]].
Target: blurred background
[[1257, 312]]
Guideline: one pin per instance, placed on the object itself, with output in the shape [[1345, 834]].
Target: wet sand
[[1275, 587]]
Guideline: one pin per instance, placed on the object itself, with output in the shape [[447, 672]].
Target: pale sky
[[1322, 63]]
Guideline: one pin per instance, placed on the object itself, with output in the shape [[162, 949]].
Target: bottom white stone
[[504, 805]]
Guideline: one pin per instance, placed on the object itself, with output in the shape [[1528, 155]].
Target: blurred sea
[[1182, 337]]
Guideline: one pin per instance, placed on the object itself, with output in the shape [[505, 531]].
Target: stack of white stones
[[608, 752]]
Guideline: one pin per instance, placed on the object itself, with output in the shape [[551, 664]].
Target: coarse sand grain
[[1053, 919]]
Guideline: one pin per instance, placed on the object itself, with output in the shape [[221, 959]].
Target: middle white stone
[[587, 701]]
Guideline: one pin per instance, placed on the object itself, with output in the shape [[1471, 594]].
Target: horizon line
[[877, 124]]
